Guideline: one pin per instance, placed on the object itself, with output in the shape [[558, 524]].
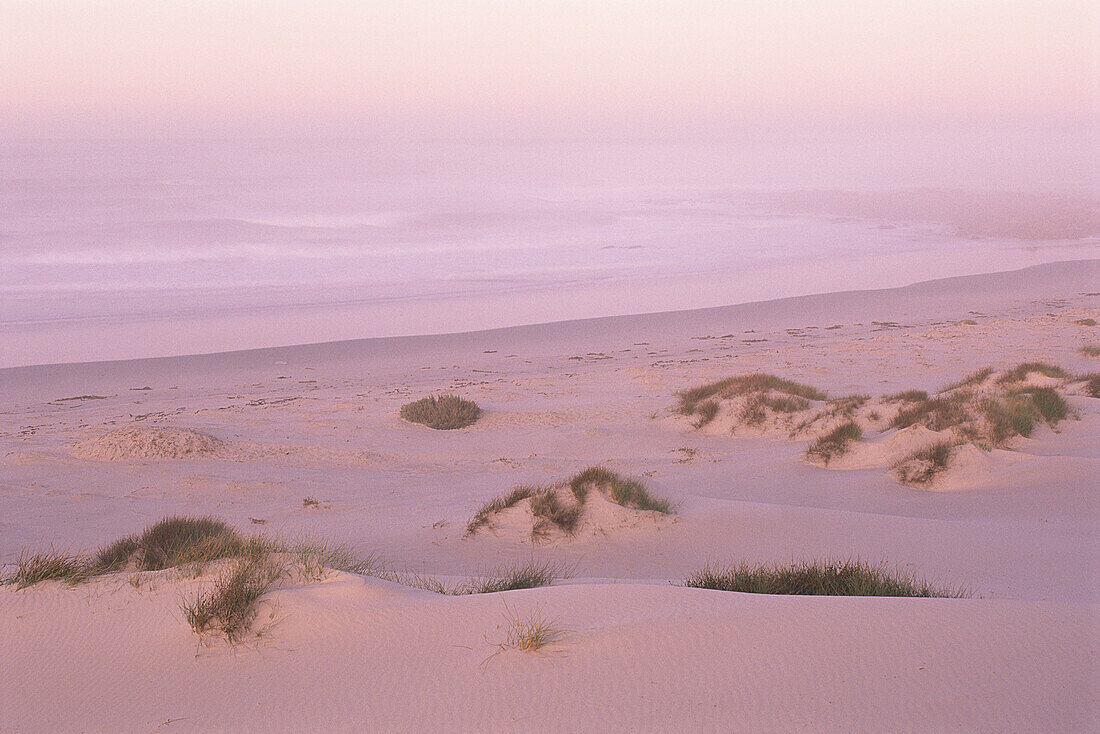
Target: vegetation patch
[[1085, 322], [33, 568], [756, 382], [442, 412], [231, 605], [921, 466], [1090, 350], [974, 378], [909, 396], [562, 505], [1020, 372], [815, 578], [835, 443], [1092, 385], [1050, 406], [938, 413]]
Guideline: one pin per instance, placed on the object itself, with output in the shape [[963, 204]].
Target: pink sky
[[454, 68]]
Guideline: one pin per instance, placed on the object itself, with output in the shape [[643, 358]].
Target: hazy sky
[[541, 68]]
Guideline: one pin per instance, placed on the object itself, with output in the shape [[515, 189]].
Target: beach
[[308, 441]]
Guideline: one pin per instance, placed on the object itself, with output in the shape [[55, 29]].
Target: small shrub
[[814, 578], [974, 378], [176, 541], [1092, 385], [1085, 322], [33, 568], [921, 466], [1021, 371], [1090, 350], [231, 606], [836, 442], [442, 412]]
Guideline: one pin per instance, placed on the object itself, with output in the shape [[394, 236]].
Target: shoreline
[[1061, 278]]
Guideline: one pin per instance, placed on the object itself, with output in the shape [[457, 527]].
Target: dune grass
[[908, 396], [441, 412], [1090, 350], [921, 466], [1021, 371], [232, 604], [938, 413], [172, 542], [551, 510], [529, 575], [34, 568], [814, 578], [1050, 406], [756, 382], [1092, 385], [974, 378], [835, 443], [1085, 322], [533, 634]]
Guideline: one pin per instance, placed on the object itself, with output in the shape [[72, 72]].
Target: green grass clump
[[814, 578], [550, 512], [442, 412], [938, 413], [921, 466], [232, 604], [1051, 406], [1090, 350], [1021, 371], [33, 568], [743, 385], [177, 541], [836, 442], [1008, 416], [974, 378]]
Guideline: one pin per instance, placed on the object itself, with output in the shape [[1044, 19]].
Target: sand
[[88, 454]]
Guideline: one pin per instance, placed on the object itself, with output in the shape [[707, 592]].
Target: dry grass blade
[[33, 568]]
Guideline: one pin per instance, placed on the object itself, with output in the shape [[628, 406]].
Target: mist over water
[[122, 249]]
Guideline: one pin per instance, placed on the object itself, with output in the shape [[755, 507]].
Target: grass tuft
[[1085, 322], [1092, 385], [232, 604], [526, 576], [1021, 371], [974, 378], [814, 578], [497, 504], [938, 413], [1051, 406], [33, 568], [1090, 350], [909, 396], [754, 382], [836, 442], [921, 466], [442, 412]]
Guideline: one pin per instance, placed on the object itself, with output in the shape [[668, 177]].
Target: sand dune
[[307, 441]]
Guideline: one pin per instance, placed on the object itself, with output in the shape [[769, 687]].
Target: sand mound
[[601, 517], [149, 442], [889, 449]]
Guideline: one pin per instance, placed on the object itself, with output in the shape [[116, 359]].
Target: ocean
[[116, 250]]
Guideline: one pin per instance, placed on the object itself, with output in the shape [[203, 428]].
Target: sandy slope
[[320, 421]]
